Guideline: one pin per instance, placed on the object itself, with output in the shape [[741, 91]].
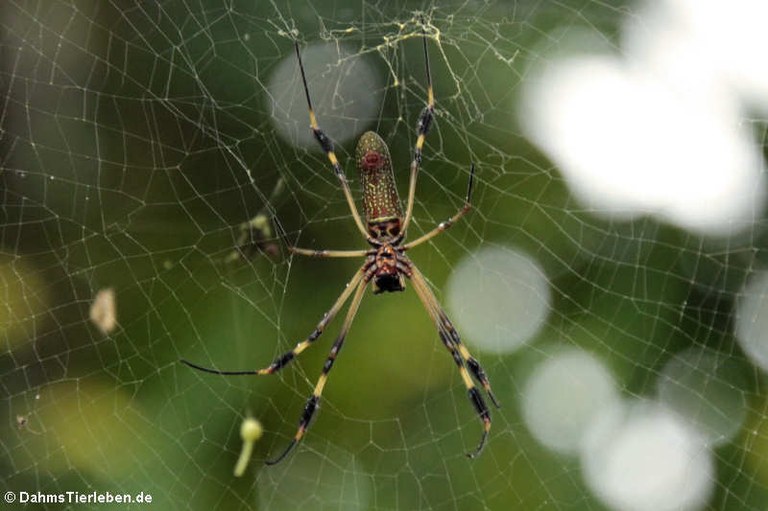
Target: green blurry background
[[136, 139]]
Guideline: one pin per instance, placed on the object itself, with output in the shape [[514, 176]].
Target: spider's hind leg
[[284, 359], [459, 353], [474, 366], [314, 400]]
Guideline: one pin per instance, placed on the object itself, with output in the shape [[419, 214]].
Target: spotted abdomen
[[381, 202]]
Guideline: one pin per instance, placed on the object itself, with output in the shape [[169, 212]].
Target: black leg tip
[[479, 449], [282, 456]]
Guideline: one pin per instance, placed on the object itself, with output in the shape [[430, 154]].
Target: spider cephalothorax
[[389, 267], [386, 266]]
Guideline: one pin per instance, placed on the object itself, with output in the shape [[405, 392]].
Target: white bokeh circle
[[563, 396], [641, 456], [500, 298], [345, 89], [659, 128]]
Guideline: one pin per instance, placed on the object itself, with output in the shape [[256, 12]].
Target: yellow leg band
[[320, 384], [466, 378]]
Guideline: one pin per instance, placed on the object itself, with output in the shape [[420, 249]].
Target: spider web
[[157, 163]]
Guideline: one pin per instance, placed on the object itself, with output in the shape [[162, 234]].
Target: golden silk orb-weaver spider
[[385, 267]]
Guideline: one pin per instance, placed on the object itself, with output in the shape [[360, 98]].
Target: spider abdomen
[[381, 203]]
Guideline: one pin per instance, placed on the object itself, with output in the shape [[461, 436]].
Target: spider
[[385, 267]]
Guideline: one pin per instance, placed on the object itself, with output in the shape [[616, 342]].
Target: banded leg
[[458, 352], [422, 128], [312, 403], [330, 253], [449, 331], [285, 358], [444, 226], [447, 328], [327, 145]]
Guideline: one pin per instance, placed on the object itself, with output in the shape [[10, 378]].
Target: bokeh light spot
[[643, 457], [344, 87], [563, 395], [500, 298], [659, 129]]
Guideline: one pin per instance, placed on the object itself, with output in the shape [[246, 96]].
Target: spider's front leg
[[422, 128], [327, 146], [444, 226]]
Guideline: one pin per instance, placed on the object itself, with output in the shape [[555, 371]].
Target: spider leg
[[422, 128], [444, 226], [286, 357], [447, 330], [312, 403], [327, 145], [329, 253], [450, 339]]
